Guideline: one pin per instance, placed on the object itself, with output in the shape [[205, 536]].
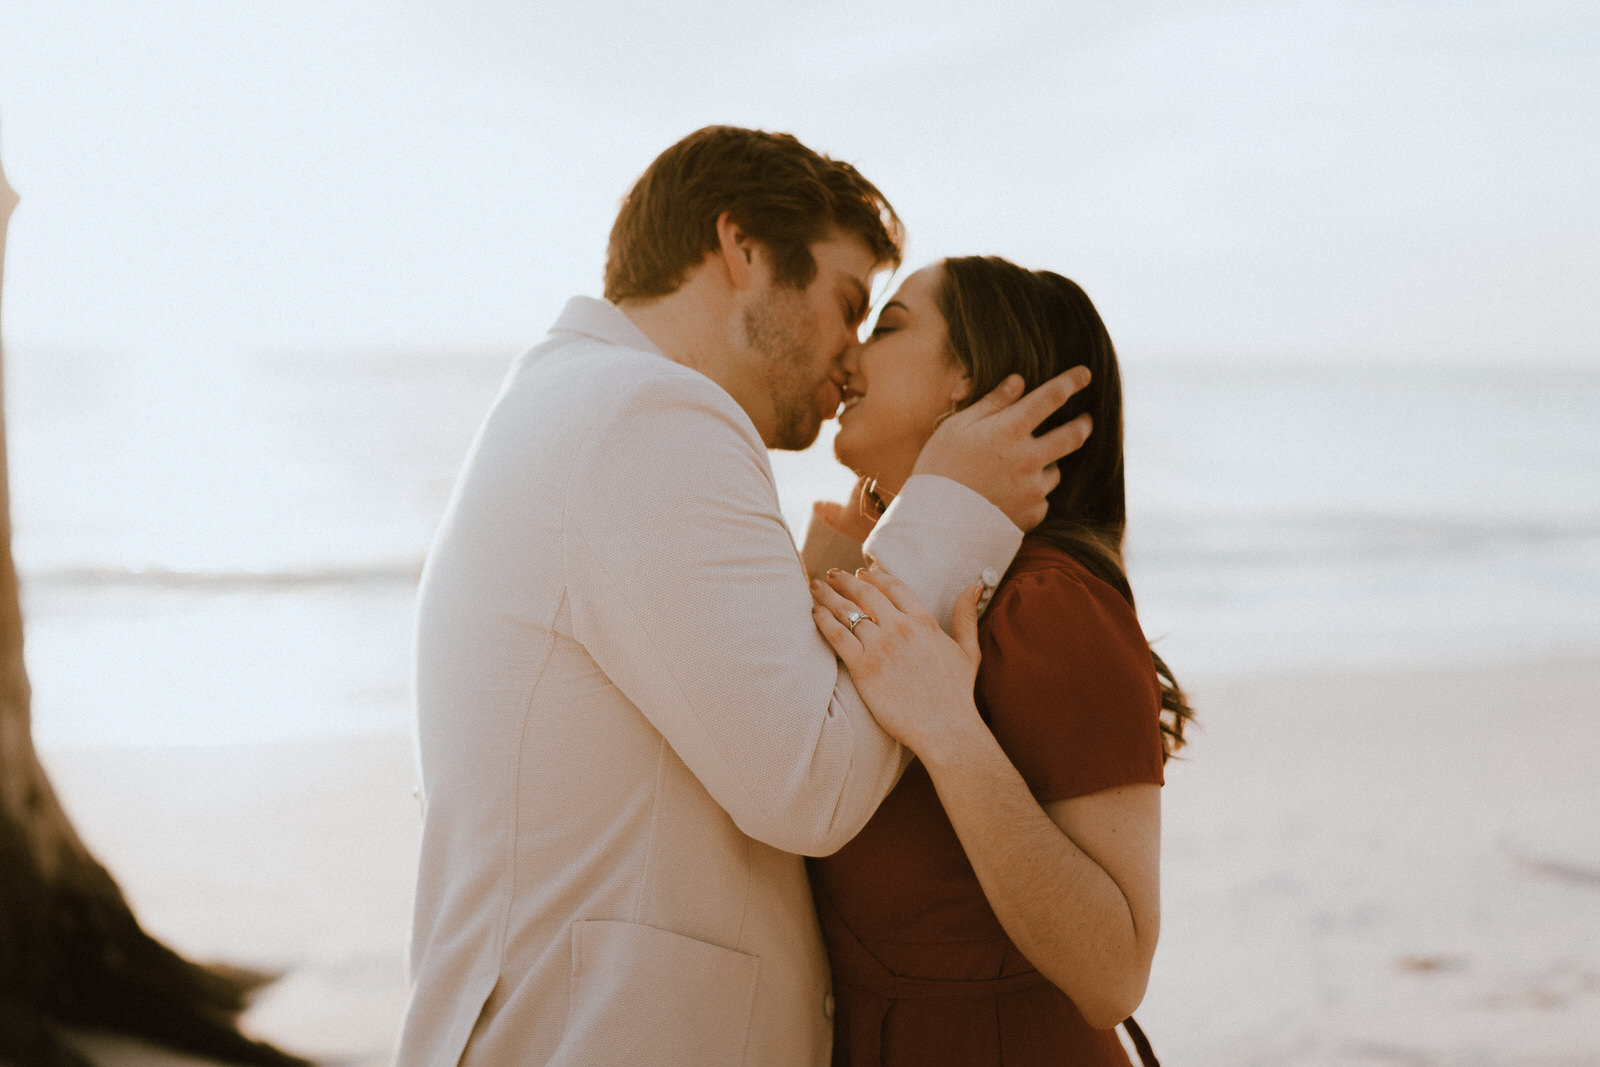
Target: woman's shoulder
[[1048, 586], [1066, 681]]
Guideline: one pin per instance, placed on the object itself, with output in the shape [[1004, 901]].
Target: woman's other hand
[[855, 519], [916, 680]]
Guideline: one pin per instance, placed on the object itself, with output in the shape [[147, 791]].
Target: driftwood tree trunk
[[72, 955]]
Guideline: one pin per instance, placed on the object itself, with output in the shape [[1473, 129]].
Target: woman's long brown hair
[[1003, 319]]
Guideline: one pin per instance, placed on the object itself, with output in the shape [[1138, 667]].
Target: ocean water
[[225, 549]]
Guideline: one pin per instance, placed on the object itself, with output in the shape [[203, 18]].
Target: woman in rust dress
[[1002, 905]]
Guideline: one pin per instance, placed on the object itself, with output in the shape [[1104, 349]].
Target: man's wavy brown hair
[[776, 189]]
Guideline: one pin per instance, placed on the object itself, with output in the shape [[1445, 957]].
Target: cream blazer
[[630, 731]]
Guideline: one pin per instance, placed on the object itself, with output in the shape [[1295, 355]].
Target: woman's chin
[[846, 455], [870, 463], [860, 470]]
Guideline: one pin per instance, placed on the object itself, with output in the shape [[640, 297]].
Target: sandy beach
[[1361, 868], [1394, 868]]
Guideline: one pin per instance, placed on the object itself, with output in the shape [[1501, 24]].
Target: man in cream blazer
[[630, 732]]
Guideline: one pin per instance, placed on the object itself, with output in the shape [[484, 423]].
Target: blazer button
[[827, 1005]]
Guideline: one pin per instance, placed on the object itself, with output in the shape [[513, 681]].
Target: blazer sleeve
[[684, 586]]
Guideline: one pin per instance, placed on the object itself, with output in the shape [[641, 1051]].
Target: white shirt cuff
[[939, 537]]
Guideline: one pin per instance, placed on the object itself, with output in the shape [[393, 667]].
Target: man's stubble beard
[[777, 334]]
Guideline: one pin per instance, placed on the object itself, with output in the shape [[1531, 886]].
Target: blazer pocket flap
[[645, 995]]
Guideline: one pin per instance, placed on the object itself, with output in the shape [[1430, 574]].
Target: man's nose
[[850, 358]]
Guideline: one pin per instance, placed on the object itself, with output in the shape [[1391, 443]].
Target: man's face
[[799, 336]]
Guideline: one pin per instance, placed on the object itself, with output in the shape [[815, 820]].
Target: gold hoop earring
[[872, 500]]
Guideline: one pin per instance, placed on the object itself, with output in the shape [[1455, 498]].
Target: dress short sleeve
[[1066, 681]]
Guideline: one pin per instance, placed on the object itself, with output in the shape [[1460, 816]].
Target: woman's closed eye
[[880, 330]]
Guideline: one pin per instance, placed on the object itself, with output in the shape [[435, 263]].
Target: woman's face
[[898, 385]]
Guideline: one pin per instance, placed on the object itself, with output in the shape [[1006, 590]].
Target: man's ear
[[736, 250]]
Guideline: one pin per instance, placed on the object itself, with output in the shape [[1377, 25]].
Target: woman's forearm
[[1059, 906], [1084, 908]]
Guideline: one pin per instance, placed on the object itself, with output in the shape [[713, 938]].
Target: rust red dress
[[923, 973]]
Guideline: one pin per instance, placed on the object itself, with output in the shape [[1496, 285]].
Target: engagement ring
[[853, 618]]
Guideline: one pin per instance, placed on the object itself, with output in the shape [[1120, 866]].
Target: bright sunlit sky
[[1268, 181]]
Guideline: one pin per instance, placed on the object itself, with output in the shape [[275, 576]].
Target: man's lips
[[829, 400]]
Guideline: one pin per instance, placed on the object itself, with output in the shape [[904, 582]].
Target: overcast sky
[[1262, 180]]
